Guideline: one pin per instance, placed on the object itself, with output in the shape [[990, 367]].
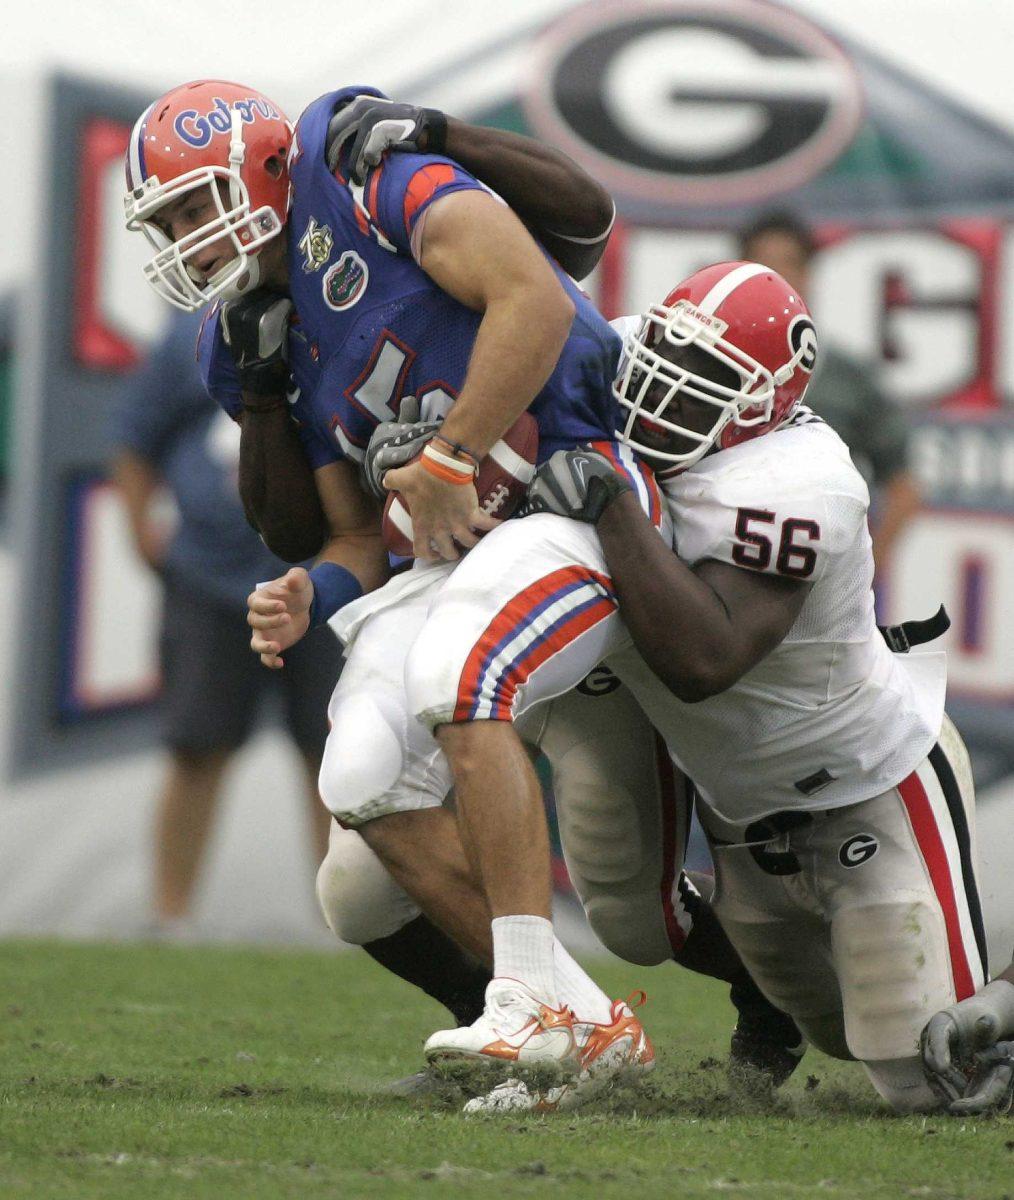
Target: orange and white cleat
[[608, 1051], [515, 1027]]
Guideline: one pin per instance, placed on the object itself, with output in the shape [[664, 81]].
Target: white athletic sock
[[579, 991], [523, 950]]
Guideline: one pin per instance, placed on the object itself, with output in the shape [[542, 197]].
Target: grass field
[[144, 1072]]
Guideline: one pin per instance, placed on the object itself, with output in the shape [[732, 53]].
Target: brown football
[[503, 477]]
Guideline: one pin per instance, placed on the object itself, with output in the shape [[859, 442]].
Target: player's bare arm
[[353, 556], [139, 482], [701, 628], [564, 207], [478, 251], [277, 487], [568, 211]]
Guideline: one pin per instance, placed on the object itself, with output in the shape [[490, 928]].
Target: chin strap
[[237, 156]]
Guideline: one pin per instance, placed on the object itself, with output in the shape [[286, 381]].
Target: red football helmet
[[209, 133], [754, 336]]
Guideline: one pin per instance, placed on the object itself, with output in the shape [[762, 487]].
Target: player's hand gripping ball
[[500, 483]]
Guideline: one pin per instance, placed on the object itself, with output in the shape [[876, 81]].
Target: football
[[503, 477]]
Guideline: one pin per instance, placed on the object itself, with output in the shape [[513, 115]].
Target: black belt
[[901, 638]]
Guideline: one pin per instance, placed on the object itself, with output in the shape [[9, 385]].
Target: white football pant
[[861, 922]]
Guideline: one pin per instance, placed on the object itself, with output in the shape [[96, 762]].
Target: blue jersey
[[373, 327]]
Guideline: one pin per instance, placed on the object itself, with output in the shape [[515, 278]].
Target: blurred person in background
[[6, 390], [169, 435], [844, 391]]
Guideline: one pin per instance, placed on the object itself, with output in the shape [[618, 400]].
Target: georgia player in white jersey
[[837, 796]]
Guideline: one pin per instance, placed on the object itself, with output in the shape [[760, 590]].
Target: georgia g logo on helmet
[[803, 342], [227, 146]]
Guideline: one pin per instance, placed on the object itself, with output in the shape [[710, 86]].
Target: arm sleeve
[[162, 396], [318, 448], [399, 192], [319, 444], [218, 372]]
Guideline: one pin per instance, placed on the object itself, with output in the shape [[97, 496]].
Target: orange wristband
[[442, 466]]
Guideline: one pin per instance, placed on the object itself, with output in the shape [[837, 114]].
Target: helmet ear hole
[[274, 166]]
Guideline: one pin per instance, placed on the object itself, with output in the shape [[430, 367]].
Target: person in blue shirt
[[169, 435]]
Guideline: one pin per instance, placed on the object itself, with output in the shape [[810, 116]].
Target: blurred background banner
[[85, 672], [698, 114], [873, 124]]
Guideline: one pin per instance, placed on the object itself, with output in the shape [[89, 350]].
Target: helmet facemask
[[678, 359], [170, 271]]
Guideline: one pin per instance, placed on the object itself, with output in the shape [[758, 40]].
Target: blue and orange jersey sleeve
[[399, 191], [319, 448], [218, 371]]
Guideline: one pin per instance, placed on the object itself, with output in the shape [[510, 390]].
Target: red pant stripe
[[931, 846]]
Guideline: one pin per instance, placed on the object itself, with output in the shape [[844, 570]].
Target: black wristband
[[436, 131]]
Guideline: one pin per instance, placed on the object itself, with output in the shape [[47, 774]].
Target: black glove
[[394, 443], [579, 484], [378, 126], [256, 330]]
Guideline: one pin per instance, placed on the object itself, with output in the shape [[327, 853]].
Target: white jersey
[[831, 716]]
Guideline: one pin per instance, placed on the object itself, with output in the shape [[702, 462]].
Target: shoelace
[[502, 1014]]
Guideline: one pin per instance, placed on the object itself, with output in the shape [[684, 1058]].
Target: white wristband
[[452, 464]]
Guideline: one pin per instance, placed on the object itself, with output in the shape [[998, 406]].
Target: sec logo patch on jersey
[[344, 283], [316, 244]]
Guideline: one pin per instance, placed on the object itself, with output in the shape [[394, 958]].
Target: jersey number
[[755, 551]]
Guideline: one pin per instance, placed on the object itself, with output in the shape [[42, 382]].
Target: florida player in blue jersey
[[419, 281], [414, 281]]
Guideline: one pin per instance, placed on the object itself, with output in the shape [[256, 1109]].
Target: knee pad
[[631, 927], [791, 964], [893, 969], [359, 899], [616, 879], [363, 758], [903, 1085]]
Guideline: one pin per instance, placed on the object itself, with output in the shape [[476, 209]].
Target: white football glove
[[991, 1088]]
